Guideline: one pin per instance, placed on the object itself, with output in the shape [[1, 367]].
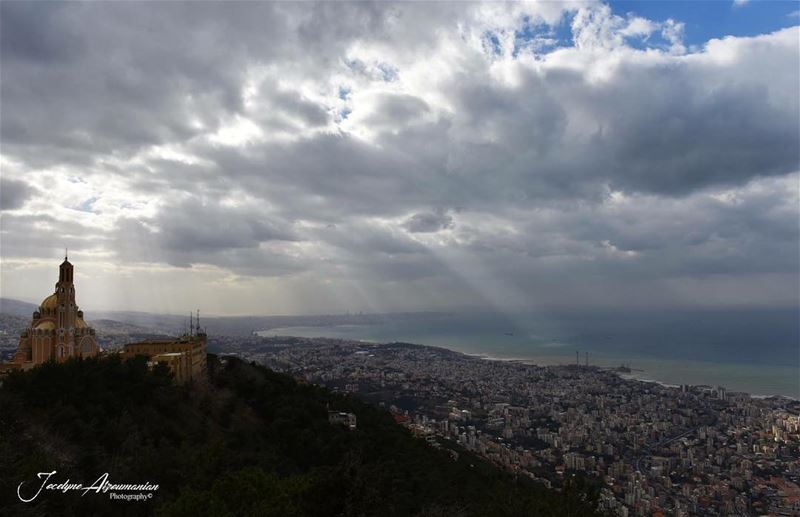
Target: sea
[[756, 351]]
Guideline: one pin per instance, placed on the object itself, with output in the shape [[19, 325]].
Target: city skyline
[[323, 158]]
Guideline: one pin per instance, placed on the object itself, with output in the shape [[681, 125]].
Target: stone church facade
[[57, 330]]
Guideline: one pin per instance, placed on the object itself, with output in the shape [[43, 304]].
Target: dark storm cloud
[[674, 138], [652, 128], [327, 177], [134, 80], [276, 108], [136, 241], [91, 78], [309, 113], [380, 253], [14, 193], [33, 236], [428, 222], [32, 31], [393, 111], [114, 77], [197, 230], [358, 237], [694, 236], [276, 139], [197, 226]]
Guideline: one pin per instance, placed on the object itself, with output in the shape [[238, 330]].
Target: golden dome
[[51, 302], [45, 325]]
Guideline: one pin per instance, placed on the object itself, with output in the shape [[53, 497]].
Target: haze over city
[[312, 158]]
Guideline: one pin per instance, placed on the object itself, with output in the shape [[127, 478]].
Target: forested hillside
[[251, 442]]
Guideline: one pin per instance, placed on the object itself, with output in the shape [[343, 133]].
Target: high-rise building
[[57, 330]]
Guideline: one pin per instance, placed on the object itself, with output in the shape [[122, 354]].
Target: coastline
[[757, 380], [637, 376]]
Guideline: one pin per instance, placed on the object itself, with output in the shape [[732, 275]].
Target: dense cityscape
[[690, 450], [651, 449]]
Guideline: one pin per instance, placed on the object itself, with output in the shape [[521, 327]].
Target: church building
[[57, 330]]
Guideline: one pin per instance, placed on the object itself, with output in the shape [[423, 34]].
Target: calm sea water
[[753, 351]]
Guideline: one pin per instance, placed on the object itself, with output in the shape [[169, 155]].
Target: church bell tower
[[65, 291]]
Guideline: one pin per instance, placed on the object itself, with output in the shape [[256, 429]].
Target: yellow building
[[185, 356], [57, 330]]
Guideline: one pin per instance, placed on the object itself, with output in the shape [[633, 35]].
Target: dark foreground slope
[[252, 442]]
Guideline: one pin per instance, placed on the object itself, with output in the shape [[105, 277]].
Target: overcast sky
[[254, 158]]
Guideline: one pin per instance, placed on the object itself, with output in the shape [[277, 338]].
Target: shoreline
[[734, 377], [626, 376]]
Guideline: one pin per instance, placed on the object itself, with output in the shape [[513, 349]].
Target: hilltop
[[250, 442]]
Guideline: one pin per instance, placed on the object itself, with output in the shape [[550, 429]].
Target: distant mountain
[[118, 328], [17, 307], [143, 321], [246, 325], [112, 334], [161, 323], [174, 324]]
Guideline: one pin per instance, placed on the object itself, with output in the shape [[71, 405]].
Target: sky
[[300, 158]]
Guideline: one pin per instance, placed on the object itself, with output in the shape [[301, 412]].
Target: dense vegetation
[[251, 442]]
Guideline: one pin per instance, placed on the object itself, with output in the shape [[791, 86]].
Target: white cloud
[[673, 31]]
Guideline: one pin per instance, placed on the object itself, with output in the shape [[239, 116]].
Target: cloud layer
[[335, 156]]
